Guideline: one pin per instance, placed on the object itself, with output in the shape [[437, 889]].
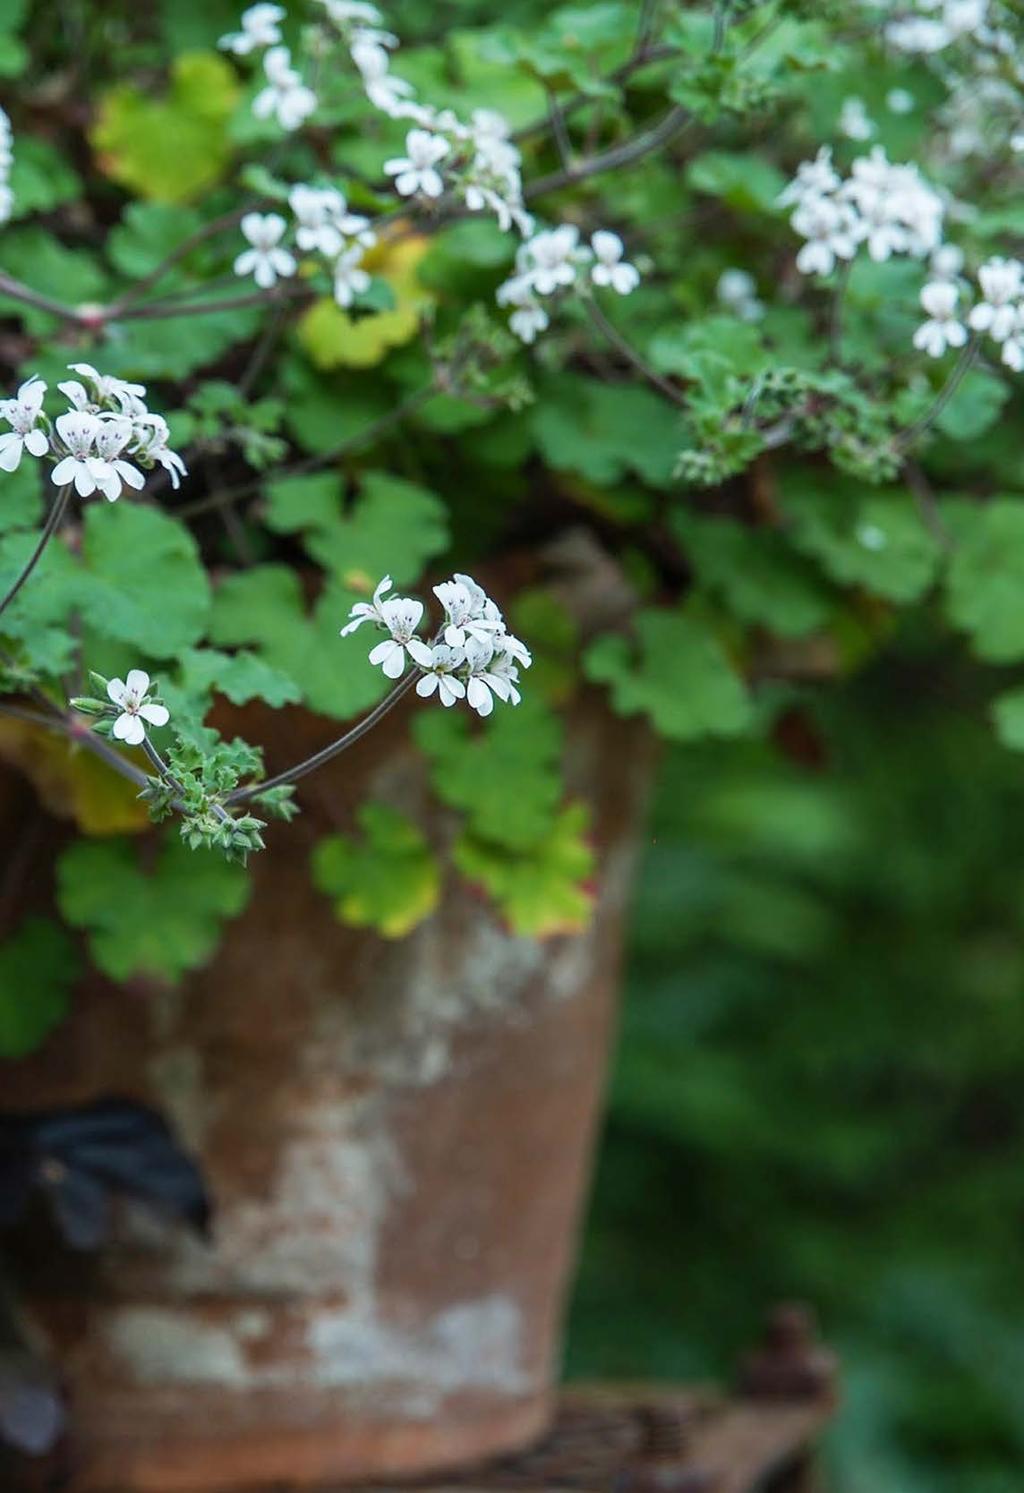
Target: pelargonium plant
[[725, 300]]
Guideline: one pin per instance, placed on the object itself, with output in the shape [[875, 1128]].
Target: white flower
[[900, 101], [106, 391], [259, 29], [1001, 285], [77, 430], [609, 268], [108, 468], [440, 675], [317, 210], [946, 262], [130, 695], [22, 415], [265, 261], [401, 616], [550, 258], [469, 612], [416, 171], [342, 12], [737, 291], [528, 321], [828, 227], [488, 677], [368, 611], [854, 121], [817, 178], [285, 96], [943, 329], [151, 437], [349, 279]]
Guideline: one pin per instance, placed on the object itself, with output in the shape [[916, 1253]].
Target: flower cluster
[[473, 657], [284, 96], [886, 207], [933, 25], [997, 312], [323, 225], [554, 261], [105, 424], [6, 162]]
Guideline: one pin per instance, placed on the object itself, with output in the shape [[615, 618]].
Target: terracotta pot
[[397, 1136]]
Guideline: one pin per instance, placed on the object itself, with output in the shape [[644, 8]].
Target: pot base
[[168, 1461]]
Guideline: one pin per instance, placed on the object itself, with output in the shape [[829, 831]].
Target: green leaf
[[143, 581], [861, 536], [264, 607], [41, 177], [38, 965], [543, 891], [393, 528], [1008, 715], [744, 181], [159, 922], [506, 777], [985, 582], [169, 149], [974, 408], [21, 497], [34, 256], [605, 431], [38, 616], [678, 675], [390, 881], [325, 412], [756, 573], [240, 677], [147, 233]]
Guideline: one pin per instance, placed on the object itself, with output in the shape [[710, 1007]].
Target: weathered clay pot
[[397, 1136]]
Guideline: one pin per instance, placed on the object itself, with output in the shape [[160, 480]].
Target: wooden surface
[[654, 1439]]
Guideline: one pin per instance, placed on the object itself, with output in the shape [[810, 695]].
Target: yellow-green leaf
[[173, 148]]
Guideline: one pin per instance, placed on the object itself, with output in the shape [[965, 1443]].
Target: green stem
[[53, 518]]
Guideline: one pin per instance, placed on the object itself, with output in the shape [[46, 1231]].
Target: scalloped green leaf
[[142, 579], [543, 891], [159, 921], [861, 536], [675, 671], [264, 607], [388, 880], [985, 581], [505, 777], [172, 148], [755, 573]]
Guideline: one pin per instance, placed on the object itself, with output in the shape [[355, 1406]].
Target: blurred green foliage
[[818, 1092]]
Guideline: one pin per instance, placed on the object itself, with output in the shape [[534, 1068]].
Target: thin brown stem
[[311, 463], [302, 769], [29, 297], [136, 292], [629, 352], [77, 731], [669, 127], [53, 519], [159, 311]]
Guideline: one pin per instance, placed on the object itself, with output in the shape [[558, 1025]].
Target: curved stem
[[161, 311], [906, 438], [301, 769], [629, 352], [18, 292], [69, 727], [668, 128], [136, 292], [53, 518]]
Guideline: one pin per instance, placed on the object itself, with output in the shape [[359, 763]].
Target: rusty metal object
[[397, 1134], [790, 1363]]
